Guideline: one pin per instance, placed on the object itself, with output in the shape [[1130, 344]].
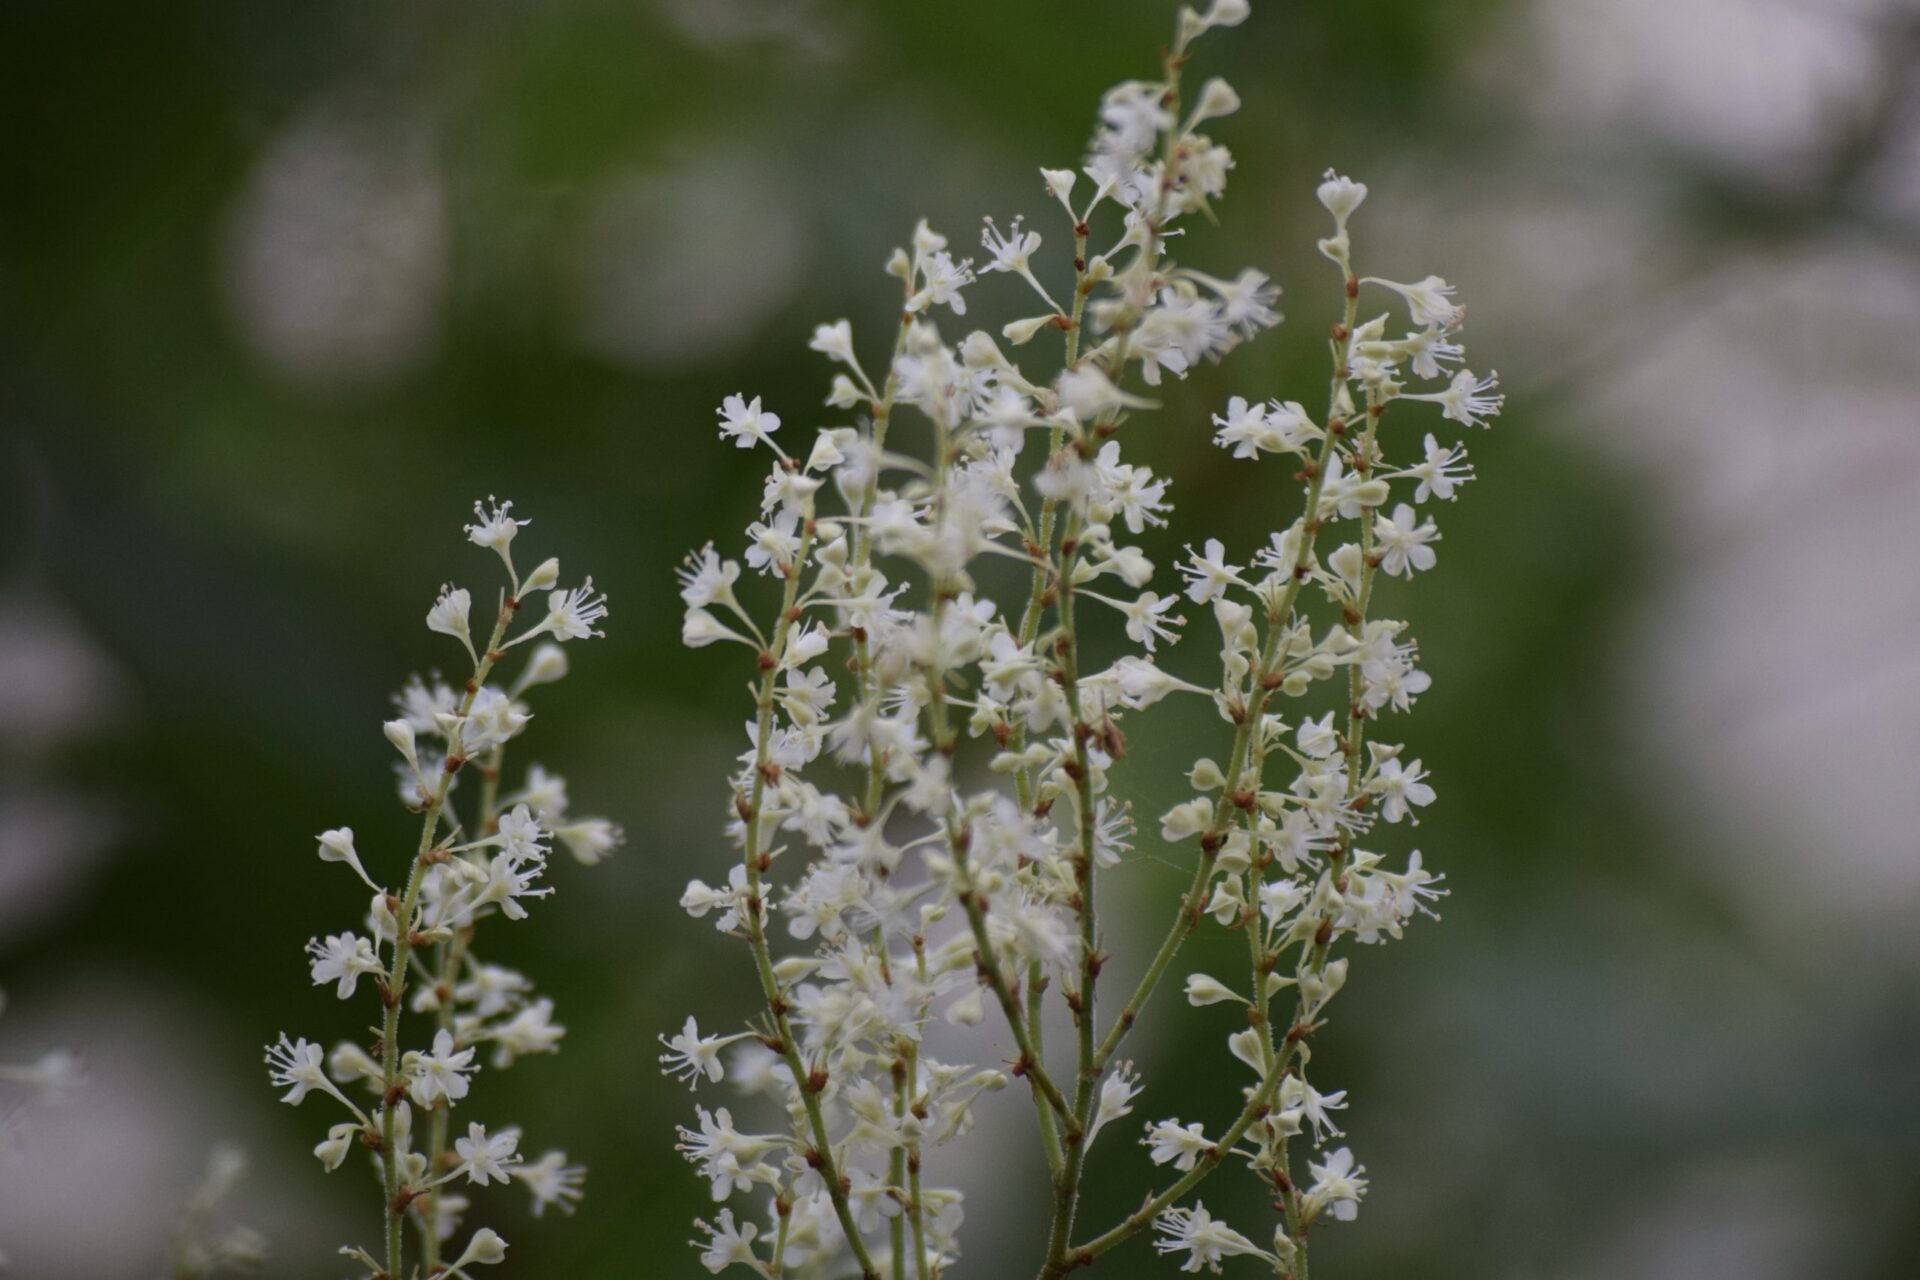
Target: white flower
[[1146, 620], [571, 614], [590, 840], [1429, 301], [1341, 195], [1404, 543], [294, 1065], [1338, 1185], [1059, 184], [726, 1244], [1465, 400], [494, 527], [1399, 786], [341, 960], [339, 1141], [1210, 575], [1440, 471], [834, 341], [449, 617], [1202, 1238], [775, 545], [552, 1181], [1317, 738], [1012, 253], [746, 424], [690, 1055], [485, 1157], [442, 1073], [1117, 1093], [707, 579], [1168, 1141], [337, 846], [532, 1030]]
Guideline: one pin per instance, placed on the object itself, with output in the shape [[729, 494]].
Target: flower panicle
[[925, 798], [484, 845]]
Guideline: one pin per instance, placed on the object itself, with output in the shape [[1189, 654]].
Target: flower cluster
[[416, 944], [923, 808]]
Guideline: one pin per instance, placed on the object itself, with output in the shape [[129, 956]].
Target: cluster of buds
[[924, 807], [482, 852]]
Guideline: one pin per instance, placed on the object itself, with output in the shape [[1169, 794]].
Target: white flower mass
[[922, 806]]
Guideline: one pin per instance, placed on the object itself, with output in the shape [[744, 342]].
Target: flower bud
[[1205, 990], [1020, 332], [543, 577], [1217, 99]]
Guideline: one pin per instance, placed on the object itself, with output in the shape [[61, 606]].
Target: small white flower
[[494, 527], [690, 1055], [746, 424], [294, 1065], [1338, 1185], [486, 1158], [341, 960], [1429, 301], [1170, 1142], [1466, 399], [552, 1181], [1401, 785], [834, 341], [726, 1244], [1403, 541], [1209, 575], [571, 614], [337, 846], [1117, 1093], [1441, 470], [590, 840], [442, 1073], [1341, 195], [449, 617], [1204, 1239], [340, 1139]]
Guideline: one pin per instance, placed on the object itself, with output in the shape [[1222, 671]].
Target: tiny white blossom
[[746, 424], [485, 1157], [1429, 301], [494, 528], [1202, 1237], [1403, 541], [690, 1055], [337, 846], [449, 617], [552, 1181], [342, 959], [442, 1073]]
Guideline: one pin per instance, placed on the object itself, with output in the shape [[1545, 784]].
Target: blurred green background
[[283, 288]]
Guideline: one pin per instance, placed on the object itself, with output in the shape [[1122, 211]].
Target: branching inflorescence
[[923, 811], [418, 949]]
